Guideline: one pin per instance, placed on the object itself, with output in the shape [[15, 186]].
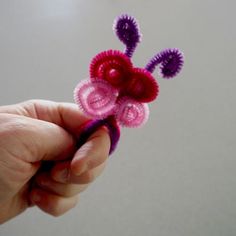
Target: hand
[[33, 133]]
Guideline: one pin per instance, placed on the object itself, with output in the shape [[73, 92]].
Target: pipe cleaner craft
[[117, 93]]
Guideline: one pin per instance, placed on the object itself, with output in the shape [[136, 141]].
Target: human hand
[[37, 131]]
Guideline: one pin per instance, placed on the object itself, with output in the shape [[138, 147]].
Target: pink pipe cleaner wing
[[131, 113], [96, 98]]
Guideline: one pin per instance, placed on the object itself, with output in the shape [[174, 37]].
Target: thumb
[[35, 140]]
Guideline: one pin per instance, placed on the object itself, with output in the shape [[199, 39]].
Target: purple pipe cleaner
[[87, 130], [170, 60], [127, 30], [92, 126]]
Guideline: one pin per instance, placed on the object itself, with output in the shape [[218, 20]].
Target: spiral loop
[[141, 86], [131, 113], [170, 60], [112, 66], [96, 99]]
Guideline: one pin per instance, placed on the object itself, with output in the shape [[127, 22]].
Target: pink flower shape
[[96, 99], [116, 88], [141, 86], [131, 113]]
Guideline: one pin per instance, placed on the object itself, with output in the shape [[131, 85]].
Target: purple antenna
[[127, 30], [170, 60]]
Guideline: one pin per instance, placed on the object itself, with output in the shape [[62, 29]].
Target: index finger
[[65, 115]]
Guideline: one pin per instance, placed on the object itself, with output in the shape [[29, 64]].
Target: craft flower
[[112, 66], [117, 88]]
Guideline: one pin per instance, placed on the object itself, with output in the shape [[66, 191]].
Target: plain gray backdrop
[[176, 176]]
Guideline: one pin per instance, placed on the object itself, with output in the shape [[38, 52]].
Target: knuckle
[[59, 208]]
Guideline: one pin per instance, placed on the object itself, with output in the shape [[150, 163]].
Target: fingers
[[47, 130], [91, 155], [34, 140], [56, 192], [88, 176], [66, 115], [64, 190], [52, 142], [65, 176], [51, 203], [57, 198]]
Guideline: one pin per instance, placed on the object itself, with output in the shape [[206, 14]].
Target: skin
[[35, 132]]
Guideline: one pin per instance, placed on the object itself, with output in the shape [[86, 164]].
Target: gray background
[[176, 176]]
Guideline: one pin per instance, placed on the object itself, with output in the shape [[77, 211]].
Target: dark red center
[[114, 76]]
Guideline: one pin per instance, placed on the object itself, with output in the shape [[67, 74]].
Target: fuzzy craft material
[[117, 93]]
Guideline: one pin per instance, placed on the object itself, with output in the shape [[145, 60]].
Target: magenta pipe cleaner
[[117, 93]]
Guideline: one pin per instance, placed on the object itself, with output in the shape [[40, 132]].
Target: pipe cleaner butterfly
[[116, 87]]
